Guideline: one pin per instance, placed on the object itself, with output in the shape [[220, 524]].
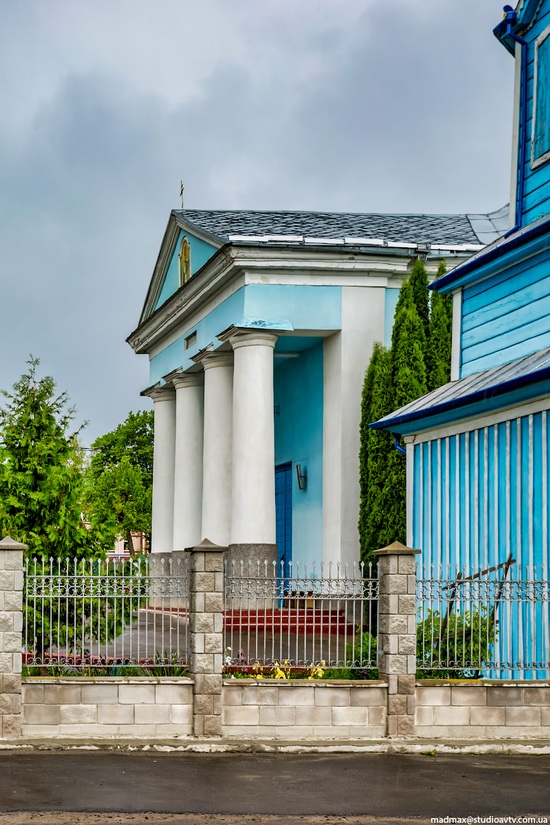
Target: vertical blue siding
[[478, 496]]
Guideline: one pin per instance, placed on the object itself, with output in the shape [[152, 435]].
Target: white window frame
[[544, 158]]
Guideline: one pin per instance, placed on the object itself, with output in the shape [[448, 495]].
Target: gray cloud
[[365, 105]]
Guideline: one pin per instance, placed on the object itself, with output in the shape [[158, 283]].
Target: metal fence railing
[[110, 615], [494, 624], [300, 615]]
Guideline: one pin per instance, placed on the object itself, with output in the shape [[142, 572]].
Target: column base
[[256, 557]]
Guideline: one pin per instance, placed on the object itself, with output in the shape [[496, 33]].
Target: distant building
[[478, 448], [259, 327]]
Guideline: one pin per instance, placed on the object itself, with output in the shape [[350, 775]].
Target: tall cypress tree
[[418, 282], [376, 446], [364, 434], [408, 348], [419, 360], [438, 355], [409, 383]]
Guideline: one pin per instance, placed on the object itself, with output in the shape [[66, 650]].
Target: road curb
[[425, 747]]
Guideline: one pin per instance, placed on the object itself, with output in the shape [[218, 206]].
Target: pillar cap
[[8, 543], [206, 546], [157, 393], [397, 549]]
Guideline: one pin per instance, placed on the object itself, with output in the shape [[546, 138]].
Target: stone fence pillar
[[397, 634], [206, 636], [11, 641]]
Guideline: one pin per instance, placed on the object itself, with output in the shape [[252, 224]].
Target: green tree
[[438, 355], [41, 474], [121, 473], [418, 282], [407, 352], [376, 446]]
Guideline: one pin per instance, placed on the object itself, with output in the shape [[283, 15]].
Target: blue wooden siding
[[506, 316], [480, 495], [536, 200]]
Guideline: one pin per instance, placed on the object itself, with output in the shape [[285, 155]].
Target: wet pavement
[[272, 788]]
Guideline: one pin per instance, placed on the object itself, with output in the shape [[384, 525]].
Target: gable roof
[[361, 233], [246, 226], [528, 371]]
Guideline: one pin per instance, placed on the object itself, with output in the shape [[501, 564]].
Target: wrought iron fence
[[493, 623], [300, 615], [111, 615]]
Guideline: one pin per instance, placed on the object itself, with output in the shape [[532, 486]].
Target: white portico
[[258, 328]]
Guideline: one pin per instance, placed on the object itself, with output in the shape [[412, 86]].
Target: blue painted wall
[[479, 496], [201, 252], [298, 387], [506, 316], [306, 307], [175, 355], [391, 296]]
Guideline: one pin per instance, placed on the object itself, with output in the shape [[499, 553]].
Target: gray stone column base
[[254, 557]]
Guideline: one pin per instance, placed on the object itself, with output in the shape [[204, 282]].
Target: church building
[[258, 327], [478, 448]]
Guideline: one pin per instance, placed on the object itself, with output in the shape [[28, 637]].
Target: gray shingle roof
[[459, 229]]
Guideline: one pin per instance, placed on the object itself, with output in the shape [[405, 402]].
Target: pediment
[[167, 278]]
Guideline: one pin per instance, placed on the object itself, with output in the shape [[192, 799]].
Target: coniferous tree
[[408, 383], [438, 357], [377, 444], [41, 474], [418, 282], [408, 348], [418, 361]]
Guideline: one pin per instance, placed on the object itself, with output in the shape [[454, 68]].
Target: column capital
[[241, 337], [214, 358], [186, 379], [165, 393]]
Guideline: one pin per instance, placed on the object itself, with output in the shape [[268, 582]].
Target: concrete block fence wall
[[206, 705]]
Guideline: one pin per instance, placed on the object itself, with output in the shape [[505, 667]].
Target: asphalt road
[[336, 786]]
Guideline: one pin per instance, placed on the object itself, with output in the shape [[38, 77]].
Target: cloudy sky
[[339, 105]]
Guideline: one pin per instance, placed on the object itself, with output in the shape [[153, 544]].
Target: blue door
[[283, 512]]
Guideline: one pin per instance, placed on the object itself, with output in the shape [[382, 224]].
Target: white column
[[188, 460], [163, 469], [218, 414], [253, 503]]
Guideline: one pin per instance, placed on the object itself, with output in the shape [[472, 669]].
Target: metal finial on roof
[[182, 187]]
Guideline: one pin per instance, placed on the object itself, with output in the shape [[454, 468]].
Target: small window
[[541, 117], [185, 261], [191, 340]]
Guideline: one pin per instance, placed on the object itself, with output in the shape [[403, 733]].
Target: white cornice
[[233, 267]]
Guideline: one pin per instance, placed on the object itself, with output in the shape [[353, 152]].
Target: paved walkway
[[270, 788]]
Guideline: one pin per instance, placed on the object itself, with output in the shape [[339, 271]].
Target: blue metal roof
[[530, 370]]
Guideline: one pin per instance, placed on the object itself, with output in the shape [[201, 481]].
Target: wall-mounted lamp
[[302, 477]]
